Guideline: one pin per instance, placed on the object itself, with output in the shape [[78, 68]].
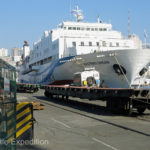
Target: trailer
[[117, 99], [26, 87]]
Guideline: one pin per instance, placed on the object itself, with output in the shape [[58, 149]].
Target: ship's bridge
[[85, 26]]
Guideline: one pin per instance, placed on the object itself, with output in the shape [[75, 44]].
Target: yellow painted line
[[10, 113], [27, 110], [24, 129], [10, 139], [10, 131], [10, 121], [21, 105], [24, 121]]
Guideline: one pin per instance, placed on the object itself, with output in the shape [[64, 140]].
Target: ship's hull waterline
[[63, 69]]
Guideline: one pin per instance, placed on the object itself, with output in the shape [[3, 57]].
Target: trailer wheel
[[51, 96], [46, 93], [112, 105], [141, 110], [35, 89], [67, 97], [63, 97]]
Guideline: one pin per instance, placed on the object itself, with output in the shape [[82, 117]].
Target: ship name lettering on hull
[[96, 63]]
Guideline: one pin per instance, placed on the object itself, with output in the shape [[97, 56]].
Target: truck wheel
[[67, 97], [46, 93], [141, 110]]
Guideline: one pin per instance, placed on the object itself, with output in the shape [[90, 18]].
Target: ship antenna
[[145, 37], [128, 23], [70, 9], [79, 16], [98, 19]]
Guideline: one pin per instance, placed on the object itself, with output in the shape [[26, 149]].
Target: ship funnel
[[26, 49], [25, 43]]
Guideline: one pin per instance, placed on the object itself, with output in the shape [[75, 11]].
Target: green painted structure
[[7, 106]]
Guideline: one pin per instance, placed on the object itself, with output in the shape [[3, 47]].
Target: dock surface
[[78, 125]]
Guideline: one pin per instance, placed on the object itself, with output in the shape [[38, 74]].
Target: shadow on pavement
[[30, 147], [79, 105], [95, 109]]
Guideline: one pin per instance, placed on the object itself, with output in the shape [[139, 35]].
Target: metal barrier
[[17, 124], [7, 104], [7, 135], [24, 126], [16, 120]]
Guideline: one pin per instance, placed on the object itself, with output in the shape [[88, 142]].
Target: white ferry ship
[[76, 46]]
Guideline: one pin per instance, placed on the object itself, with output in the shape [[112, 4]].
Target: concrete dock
[[77, 125]]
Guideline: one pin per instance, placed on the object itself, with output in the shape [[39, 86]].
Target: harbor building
[[3, 52]]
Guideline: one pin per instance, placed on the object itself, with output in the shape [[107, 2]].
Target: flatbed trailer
[[26, 87], [117, 99]]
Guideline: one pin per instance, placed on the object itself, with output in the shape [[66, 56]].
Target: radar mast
[[78, 14]]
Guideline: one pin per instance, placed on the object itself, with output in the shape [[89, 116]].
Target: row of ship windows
[[86, 29], [54, 46], [41, 62], [74, 44], [44, 61]]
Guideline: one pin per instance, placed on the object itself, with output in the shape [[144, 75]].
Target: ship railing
[[146, 45]]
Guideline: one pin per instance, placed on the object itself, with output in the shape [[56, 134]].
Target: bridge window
[[90, 43], [117, 44], [110, 44], [69, 28], [97, 43], [74, 44], [104, 43], [82, 43]]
